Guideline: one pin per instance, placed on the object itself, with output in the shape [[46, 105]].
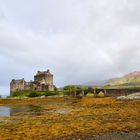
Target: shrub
[[18, 94], [70, 88], [48, 93], [90, 94], [52, 93], [33, 94], [36, 93], [101, 94], [15, 94]]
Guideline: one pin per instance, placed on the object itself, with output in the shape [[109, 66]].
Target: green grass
[[36, 93]]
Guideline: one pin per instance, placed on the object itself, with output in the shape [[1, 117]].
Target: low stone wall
[[120, 92]]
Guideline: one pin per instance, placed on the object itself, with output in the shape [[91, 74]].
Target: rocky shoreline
[[126, 135], [134, 96]]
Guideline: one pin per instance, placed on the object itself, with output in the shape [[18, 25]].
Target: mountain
[[98, 83], [131, 79]]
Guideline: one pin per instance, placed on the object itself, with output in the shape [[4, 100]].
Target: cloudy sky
[[79, 40]]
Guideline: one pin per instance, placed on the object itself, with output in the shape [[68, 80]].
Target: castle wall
[[30, 86], [49, 80], [51, 88], [17, 85]]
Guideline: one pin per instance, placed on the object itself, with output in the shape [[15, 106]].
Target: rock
[[138, 134], [42, 97], [134, 96]]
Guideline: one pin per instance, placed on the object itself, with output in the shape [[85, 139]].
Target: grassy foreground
[[63, 117]]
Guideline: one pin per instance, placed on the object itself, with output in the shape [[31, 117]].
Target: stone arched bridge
[[107, 92]]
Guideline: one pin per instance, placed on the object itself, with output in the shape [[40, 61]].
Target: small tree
[[70, 88]]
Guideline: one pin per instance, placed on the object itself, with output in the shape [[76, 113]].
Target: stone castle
[[43, 81]]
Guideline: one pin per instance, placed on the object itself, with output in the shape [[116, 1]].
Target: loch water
[[29, 110]]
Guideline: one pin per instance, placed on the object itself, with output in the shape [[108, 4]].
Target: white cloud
[[79, 40]]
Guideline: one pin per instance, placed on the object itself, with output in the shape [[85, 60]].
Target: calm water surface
[[36, 110], [20, 110], [4, 111]]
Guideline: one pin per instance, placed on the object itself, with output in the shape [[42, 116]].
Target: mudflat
[[70, 118]]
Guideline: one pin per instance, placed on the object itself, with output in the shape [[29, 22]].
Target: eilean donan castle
[[43, 81]]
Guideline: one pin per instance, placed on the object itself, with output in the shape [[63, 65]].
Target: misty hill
[[98, 83], [130, 79]]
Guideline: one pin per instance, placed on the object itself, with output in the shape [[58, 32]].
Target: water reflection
[[4, 111], [20, 110]]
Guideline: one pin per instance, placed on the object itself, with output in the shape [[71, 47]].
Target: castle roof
[[43, 72]]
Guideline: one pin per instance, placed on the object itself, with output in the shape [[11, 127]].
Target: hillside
[[99, 83], [131, 79]]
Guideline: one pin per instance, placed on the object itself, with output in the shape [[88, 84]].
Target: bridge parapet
[[107, 92]]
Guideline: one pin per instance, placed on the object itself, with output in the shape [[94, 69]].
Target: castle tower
[[44, 78]]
